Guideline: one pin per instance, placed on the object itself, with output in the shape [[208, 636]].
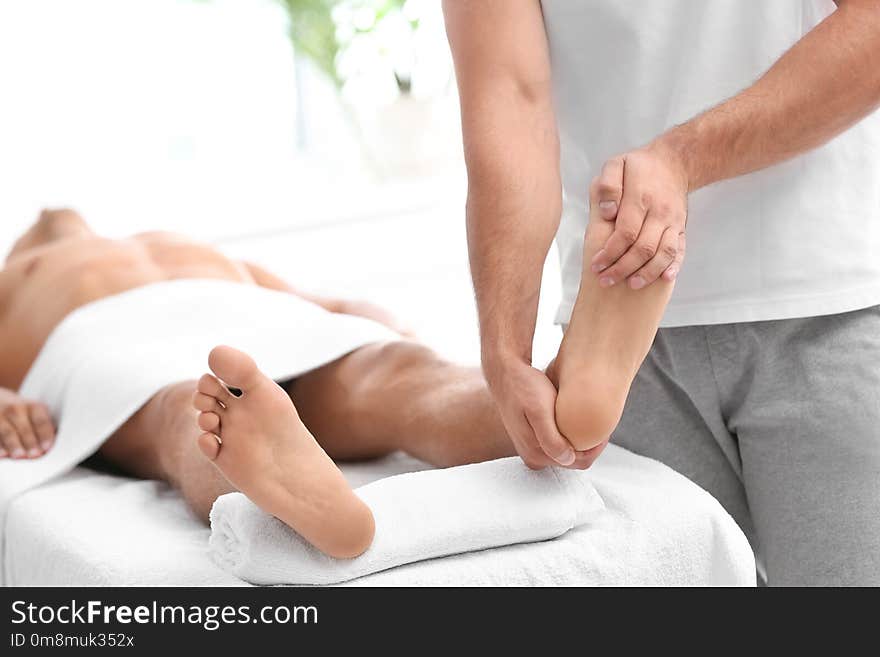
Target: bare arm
[[26, 428], [514, 202], [267, 279], [512, 154], [824, 84]]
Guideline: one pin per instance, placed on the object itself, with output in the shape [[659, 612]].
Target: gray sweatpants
[[780, 421]]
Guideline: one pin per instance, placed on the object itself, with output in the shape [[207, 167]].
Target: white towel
[[108, 358], [419, 516]]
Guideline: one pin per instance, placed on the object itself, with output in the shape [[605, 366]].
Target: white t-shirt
[[799, 239]]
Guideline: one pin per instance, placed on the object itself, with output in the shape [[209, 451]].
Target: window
[[194, 115]]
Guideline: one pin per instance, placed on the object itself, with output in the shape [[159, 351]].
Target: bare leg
[[378, 399], [266, 453], [610, 333], [401, 396], [159, 442]]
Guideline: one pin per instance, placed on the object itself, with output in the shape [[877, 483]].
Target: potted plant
[[373, 53]]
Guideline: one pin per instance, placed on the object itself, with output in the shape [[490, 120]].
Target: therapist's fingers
[[527, 446], [523, 438], [552, 442], [642, 251], [41, 421], [629, 222], [17, 416], [671, 272], [607, 188], [667, 251]]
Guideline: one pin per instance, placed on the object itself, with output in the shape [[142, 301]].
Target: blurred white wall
[[182, 115], [165, 113]]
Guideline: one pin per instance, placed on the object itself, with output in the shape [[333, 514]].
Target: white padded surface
[[657, 529]]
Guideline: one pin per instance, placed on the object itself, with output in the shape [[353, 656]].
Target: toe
[[211, 386], [209, 444], [209, 422], [204, 403], [236, 368]]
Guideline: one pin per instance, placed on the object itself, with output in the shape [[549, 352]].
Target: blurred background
[[319, 138]]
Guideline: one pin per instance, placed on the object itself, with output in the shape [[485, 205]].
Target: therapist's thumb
[[552, 443], [606, 190]]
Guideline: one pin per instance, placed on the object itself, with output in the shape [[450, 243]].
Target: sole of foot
[[609, 335], [257, 440]]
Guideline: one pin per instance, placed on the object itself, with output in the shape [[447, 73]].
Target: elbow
[[587, 415], [534, 90]]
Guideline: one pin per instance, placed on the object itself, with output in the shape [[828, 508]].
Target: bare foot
[[260, 445], [26, 429], [610, 333]]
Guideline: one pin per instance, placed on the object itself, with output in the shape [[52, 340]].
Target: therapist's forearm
[[511, 148], [824, 84], [513, 209]]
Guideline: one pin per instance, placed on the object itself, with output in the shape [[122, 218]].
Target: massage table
[[64, 524], [90, 528]]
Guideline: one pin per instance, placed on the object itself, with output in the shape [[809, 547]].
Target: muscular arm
[[513, 205], [26, 427], [512, 154], [828, 81], [823, 85]]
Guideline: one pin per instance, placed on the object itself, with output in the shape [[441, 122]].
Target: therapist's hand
[[526, 399], [645, 193]]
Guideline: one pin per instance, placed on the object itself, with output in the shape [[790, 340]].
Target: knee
[[404, 354], [400, 359], [588, 413]]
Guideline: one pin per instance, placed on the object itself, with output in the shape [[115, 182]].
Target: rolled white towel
[[419, 515]]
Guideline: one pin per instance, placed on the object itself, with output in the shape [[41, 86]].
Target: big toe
[[235, 368]]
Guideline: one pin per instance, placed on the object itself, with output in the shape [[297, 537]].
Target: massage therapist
[[750, 124]]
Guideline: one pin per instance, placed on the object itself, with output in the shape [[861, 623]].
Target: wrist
[[497, 359], [680, 147]]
